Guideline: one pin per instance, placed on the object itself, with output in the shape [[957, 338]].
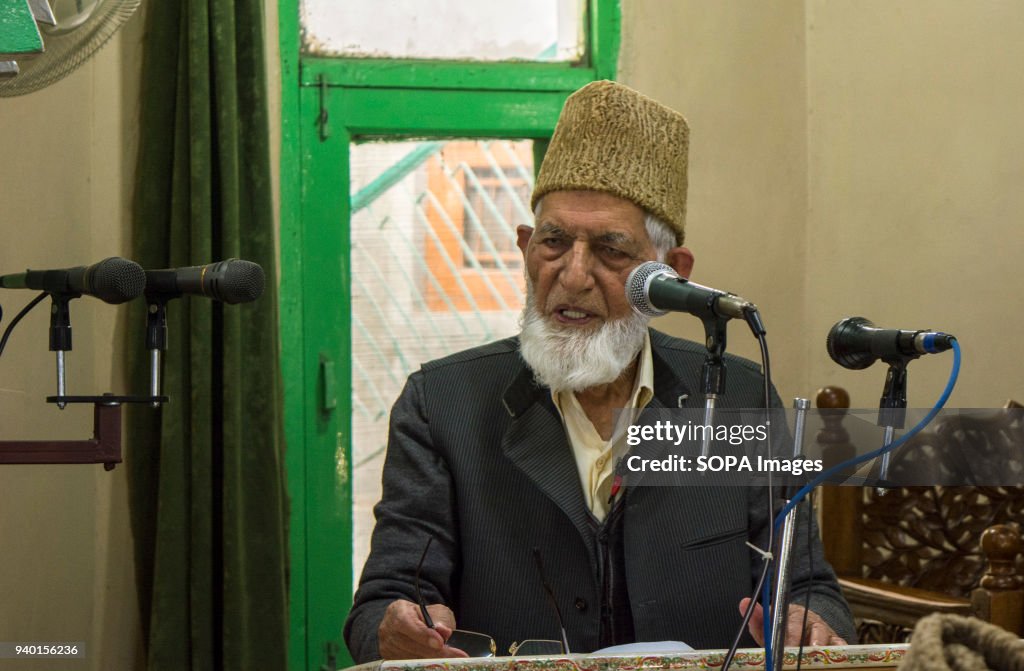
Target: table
[[860, 657]]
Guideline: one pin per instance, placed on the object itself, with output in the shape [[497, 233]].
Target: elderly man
[[506, 451]]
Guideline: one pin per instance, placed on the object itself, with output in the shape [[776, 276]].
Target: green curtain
[[207, 487]]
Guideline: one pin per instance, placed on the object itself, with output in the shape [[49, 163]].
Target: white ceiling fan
[[71, 31]]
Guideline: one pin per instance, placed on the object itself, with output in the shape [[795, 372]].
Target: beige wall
[[851, 157], [67, 164], [67, 157], [916, 162], [735, 69]]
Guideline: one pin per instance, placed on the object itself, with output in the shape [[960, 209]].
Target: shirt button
[[581, 604]]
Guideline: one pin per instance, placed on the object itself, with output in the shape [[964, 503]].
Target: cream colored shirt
[[595, 456]]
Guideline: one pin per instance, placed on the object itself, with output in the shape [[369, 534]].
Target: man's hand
[[404, 635], [816, 633]]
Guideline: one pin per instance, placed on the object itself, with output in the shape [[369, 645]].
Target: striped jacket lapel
[[536, 444]]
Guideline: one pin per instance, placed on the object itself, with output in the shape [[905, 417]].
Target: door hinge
[[322, 119], [331, 650], [328, 385]]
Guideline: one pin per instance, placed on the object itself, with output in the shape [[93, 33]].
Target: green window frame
[[326, 104]]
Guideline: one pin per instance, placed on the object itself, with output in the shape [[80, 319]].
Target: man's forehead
[[590, 213], [591, 231]]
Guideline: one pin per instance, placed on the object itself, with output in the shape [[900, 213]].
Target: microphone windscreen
[[240, 281], [637, 287], [115, 280], [846, 343]]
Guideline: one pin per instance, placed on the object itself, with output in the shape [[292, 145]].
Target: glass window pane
[[435, 269], [534, 30]]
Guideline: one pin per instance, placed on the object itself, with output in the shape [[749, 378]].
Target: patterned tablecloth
[[861, 657]]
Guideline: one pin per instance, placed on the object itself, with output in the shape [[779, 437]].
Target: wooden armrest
[[893, 604]]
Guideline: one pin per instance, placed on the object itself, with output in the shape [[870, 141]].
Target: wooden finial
[[834, 402], [1001, 545], [832, 398]]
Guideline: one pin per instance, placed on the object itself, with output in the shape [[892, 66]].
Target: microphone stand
[[156, 340], [892, 408], [712, 373], [784, 557], [60, 337]]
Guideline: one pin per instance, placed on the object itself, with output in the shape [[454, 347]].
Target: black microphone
[[855, 343], [230, 281], [113, 280], [653, 289]]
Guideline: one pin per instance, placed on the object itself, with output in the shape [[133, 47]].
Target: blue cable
[[825, 475]]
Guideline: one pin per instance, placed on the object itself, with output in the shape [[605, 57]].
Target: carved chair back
[[930, 537]]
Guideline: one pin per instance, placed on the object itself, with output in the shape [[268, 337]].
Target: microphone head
[[848, 343], [638, 286], [115, 280], [236, 281]]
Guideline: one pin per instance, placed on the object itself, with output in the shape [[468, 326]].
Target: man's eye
[[554, 242], [614, 253]]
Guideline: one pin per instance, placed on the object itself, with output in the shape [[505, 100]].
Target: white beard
[[570, 359]]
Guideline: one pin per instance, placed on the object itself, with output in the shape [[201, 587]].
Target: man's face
[[579, 256]]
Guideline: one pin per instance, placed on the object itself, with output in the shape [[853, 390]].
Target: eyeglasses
[[476, 644]]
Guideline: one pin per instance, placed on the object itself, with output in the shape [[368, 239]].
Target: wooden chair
[[905, 552]]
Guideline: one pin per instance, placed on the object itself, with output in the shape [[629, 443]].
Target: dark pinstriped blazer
[[478, 459]]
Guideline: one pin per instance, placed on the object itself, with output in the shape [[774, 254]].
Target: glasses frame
[[479, 645], [484, 644], [515, 648]]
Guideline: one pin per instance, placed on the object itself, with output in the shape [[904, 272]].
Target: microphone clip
[[892, 407], [713, 370]]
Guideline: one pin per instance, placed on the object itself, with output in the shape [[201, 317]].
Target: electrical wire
[[763, 584], [753, 319], [17, 318], [810, 585], [824, 475], [827, 473]]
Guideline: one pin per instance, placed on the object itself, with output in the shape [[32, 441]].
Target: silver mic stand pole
[[784, 559], [712, 374], [892, 410]]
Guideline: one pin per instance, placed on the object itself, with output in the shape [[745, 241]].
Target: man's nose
[[577, 274]]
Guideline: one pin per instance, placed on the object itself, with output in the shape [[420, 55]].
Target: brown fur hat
[[611, 138]]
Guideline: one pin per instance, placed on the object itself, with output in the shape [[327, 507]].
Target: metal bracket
[[104, 447]]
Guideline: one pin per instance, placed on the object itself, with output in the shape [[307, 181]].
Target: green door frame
[[326, 105]]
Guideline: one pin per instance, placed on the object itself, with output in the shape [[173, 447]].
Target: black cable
[[746, 619], [810, 582], [766, 365], [14, 322]]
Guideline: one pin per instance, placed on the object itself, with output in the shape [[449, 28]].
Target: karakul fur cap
[[611, 138]]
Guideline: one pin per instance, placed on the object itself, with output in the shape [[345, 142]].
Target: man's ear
[[681, 260], [523, 235]]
